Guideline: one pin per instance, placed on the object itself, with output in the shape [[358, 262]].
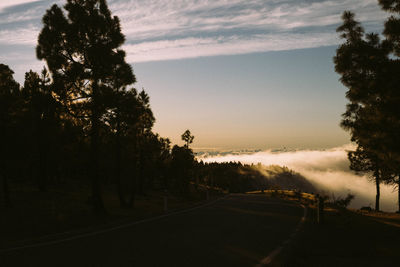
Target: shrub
[[342, 202]]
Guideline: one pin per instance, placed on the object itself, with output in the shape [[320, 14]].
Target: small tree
[[187, 137], [182, 165]]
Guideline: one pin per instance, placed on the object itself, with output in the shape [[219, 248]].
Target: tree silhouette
[[352, 61], [187, 137], [363, 162], [130, 119], [41, 122], [182, 164], [82, 53], [125, 110], [9, 96], [369, 69], [164, 160], [391, 109]]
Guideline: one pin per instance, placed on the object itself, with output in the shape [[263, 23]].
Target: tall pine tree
[[369, 68], [82, 52], [391, 78]]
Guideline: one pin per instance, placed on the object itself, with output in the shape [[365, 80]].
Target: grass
[[64, 207]]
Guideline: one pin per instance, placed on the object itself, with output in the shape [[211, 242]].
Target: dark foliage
[[369, 68], [238, 178]]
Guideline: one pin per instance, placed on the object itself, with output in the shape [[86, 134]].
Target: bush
[[342, 202]]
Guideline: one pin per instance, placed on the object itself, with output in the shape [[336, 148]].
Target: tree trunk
[[398, 192], [38, 147], [44, 145], [131, 203], [6, 192], [378, 191], [140, 181], [42, 172], [97, 200], [122, 201]]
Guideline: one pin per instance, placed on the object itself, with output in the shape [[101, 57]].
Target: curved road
[[236, 231]]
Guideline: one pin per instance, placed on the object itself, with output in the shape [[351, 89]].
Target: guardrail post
[[165, 201]]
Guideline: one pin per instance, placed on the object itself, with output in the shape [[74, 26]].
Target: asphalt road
[[236, 231]]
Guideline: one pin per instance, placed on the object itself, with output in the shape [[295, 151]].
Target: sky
[[240, 74]]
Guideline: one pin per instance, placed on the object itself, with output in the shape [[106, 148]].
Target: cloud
[[174, 29], [8, 3], [327, 169], [27, 36], [199, 47], [147, 19]]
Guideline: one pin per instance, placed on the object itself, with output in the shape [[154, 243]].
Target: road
[[239, 230]]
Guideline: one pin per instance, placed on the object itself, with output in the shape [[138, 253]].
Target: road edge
[[272, 255]]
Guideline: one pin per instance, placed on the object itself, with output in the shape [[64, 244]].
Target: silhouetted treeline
[[369, 68], [81, 118], [42, 143]]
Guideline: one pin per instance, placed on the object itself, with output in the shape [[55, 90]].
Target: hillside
[[278, 177]]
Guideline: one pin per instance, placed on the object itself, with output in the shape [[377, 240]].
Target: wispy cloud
[[9, 3], [183, 29], [327, 169], [227, 45], [21, 36], [175, 29], [150, 24]]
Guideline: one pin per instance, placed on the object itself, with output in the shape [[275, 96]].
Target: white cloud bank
[[327, 169]]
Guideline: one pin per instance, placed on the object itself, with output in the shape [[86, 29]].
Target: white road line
[[53, 242], [267, 260]]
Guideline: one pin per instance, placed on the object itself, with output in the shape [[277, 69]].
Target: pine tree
[[41, 119], [9, 98], [82, 52], [188, 138], [369, 68], [391, 144]]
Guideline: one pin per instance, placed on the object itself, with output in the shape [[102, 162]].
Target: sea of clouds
[[327, 169]]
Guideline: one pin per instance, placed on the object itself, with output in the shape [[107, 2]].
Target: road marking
[[267, 260], [53, 242]]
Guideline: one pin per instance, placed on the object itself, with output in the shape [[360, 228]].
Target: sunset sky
[[239, 74]]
